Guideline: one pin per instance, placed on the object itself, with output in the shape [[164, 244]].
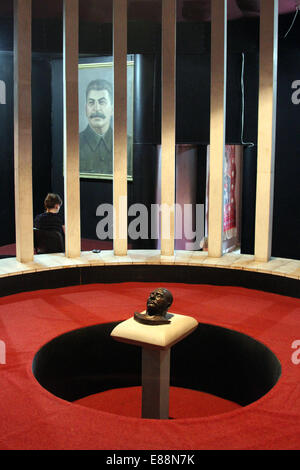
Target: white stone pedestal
[[156, 342]]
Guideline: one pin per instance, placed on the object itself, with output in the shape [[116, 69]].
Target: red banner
[[229, 223]]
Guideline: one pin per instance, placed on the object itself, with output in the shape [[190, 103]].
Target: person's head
[[99, 105], [52, 202], [159, 301]]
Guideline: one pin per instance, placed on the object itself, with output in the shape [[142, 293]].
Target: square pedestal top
[[155, 336]]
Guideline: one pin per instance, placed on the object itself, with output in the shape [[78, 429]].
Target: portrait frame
[[88, 72]]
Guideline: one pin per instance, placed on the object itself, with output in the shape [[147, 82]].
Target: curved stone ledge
[[279, 276], [275, 266]]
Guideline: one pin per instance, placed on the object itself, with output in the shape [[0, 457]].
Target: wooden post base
[[155, 383], [156, 342]]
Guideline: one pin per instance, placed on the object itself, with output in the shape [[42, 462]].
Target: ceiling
[[187, 10]]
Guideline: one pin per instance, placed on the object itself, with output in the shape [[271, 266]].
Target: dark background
[[192, 118]]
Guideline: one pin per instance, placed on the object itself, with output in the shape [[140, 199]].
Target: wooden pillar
[[120, 127], [23, 131], [71, 128], [266, 128], [168, 142], [217, 125]]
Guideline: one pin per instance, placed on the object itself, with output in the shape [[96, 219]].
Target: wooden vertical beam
[[23, 131], [168, 142], [217, 125], [266, 128], [120, 126], [71, 128]]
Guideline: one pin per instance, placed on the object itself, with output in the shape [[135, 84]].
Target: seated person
[[50, 219]]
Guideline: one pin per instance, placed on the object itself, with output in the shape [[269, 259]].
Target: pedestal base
[[156, 342], [155, 383]]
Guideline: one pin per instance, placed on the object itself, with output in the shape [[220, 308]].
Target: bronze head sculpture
[[157, 306]]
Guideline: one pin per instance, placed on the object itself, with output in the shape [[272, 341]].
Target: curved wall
[[114, 273]]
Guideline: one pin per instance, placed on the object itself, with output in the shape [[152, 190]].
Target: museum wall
[[192, 125]]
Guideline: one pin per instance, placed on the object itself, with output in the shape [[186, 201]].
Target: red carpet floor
[[32, 418]]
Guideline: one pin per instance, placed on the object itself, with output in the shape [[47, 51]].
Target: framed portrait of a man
[[96, 107]]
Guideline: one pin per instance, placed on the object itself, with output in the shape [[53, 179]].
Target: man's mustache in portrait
[[98, 115]]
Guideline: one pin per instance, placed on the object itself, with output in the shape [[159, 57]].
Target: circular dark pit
[[215, 360]]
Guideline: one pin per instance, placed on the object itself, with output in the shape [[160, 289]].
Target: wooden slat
[[23, 131], [266, 128], [168, 142], [217, 126], [120, 126], [71, 129]]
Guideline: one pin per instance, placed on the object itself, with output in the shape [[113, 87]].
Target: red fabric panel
[[229, 222]]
